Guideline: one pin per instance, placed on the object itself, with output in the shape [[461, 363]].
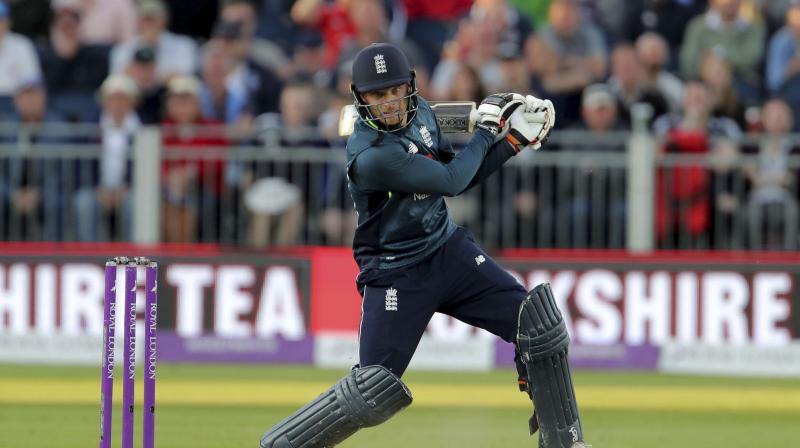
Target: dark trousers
[[459, 280]]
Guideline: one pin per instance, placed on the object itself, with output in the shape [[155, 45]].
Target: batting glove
[[524, 133], [494, 111], [540, 111]]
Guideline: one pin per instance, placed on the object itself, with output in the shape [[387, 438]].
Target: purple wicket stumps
[[127, 305]]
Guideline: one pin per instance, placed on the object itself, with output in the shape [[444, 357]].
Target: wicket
[[129, 350]]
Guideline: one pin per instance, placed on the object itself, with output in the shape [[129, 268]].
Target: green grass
[[195, 411]]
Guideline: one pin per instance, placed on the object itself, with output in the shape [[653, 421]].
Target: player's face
[[389, 105]]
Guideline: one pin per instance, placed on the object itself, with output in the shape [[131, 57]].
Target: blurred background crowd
[[250, 91]]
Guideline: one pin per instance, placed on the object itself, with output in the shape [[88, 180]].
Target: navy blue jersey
[[398, 181]]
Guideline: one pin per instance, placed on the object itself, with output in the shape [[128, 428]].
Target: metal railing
[[583, 191]]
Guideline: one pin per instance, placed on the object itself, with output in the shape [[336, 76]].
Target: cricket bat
[[454, 117]]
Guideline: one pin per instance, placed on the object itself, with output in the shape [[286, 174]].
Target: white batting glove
[[542, 112], [494, 111], [524, 133]]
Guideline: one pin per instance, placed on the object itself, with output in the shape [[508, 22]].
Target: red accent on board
[[335, 302]]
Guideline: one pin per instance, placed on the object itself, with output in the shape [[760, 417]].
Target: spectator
[[106, 22], [666, 18], [610, 16], [274, 23], [192, 186], [772, 210], [33, 187], [514, 26], [338, 218], [73, 71], [430, 23], [628, 83], [653, 54], [725, 33], [103, 209], [219, 100], [516, 77], [594, 204], [783, 61], [537, 56], [174, 54], [152, 92], [466, 86], [727, 189], [18, 61], [716, 74], [261, 86], [332, 20], [682, 192], [262, 52], [275, 203], [774, 12], [308, 60], [600, 113], [578, 58], [696, 116], [475, 43], [371, 24], [227, 103]]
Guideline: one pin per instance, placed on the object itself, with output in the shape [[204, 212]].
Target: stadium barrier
[[613, 191]]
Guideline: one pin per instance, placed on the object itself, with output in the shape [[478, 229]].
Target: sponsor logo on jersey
[[412, 148]]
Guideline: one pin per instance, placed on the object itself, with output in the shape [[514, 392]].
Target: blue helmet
[[380, 66]]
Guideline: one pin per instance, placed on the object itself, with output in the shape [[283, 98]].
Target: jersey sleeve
[[497, 156], [391, 168]]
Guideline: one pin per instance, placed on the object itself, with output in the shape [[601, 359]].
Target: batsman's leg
[[367, 396], [542, 342]]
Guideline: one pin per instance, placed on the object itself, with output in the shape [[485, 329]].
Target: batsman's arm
[[391, 168], [499, 153]]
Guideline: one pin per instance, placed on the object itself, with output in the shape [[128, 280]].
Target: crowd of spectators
[[710, 70]]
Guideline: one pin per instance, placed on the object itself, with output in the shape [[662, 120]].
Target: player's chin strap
[[365, 397], [542, 342]]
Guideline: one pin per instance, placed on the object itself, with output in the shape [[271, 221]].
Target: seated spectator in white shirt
[[103, 208], [174, 54]]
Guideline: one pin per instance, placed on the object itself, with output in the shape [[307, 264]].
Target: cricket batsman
[[415, 260]]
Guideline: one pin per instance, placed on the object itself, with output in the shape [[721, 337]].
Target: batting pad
[[542, 342], [365, 397]]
